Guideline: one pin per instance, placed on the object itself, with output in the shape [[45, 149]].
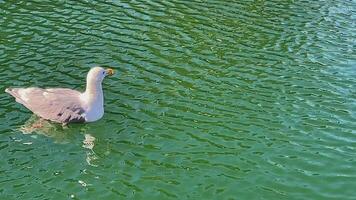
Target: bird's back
[[55, 104]]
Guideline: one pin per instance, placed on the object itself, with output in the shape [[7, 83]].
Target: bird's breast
[[94, 107], [94, 113]]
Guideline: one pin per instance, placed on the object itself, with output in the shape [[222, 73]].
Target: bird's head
[[97, 74]]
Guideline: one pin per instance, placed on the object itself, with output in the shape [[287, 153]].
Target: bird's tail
[[15, 93], [12, 91]]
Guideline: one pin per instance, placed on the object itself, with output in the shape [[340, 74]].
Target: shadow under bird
[[65, 105]]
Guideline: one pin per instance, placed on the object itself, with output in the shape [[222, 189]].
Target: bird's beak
[[109, 71]]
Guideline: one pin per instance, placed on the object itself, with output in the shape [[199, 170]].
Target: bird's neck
[[94, 93]]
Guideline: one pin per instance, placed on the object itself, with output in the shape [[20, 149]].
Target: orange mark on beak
[[109, 71]]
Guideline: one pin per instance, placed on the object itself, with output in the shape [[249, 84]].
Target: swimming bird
[[65, 105]]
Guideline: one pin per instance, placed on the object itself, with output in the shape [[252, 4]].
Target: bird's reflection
[[38, 126], [88, 143], [61, 134]]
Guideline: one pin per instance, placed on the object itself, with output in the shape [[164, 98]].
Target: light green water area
[[248, 99]]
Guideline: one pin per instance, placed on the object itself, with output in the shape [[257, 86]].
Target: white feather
[[93, 98], [24, 93]]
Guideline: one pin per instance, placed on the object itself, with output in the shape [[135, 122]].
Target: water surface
[[212, 100]]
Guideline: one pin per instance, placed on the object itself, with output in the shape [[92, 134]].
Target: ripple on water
[[247, 99]]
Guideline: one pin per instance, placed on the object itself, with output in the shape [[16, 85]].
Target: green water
[[212, 99]]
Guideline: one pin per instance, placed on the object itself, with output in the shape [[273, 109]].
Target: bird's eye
[[103, 72]]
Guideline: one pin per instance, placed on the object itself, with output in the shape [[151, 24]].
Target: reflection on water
[[38, 126], [59, 134], [88, 143]]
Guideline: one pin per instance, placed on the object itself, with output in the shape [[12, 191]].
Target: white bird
[[64, 105]]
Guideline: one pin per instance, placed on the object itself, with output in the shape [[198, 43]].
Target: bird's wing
[[58, 104]]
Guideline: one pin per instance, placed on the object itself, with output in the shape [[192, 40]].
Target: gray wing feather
[[59, 105]]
